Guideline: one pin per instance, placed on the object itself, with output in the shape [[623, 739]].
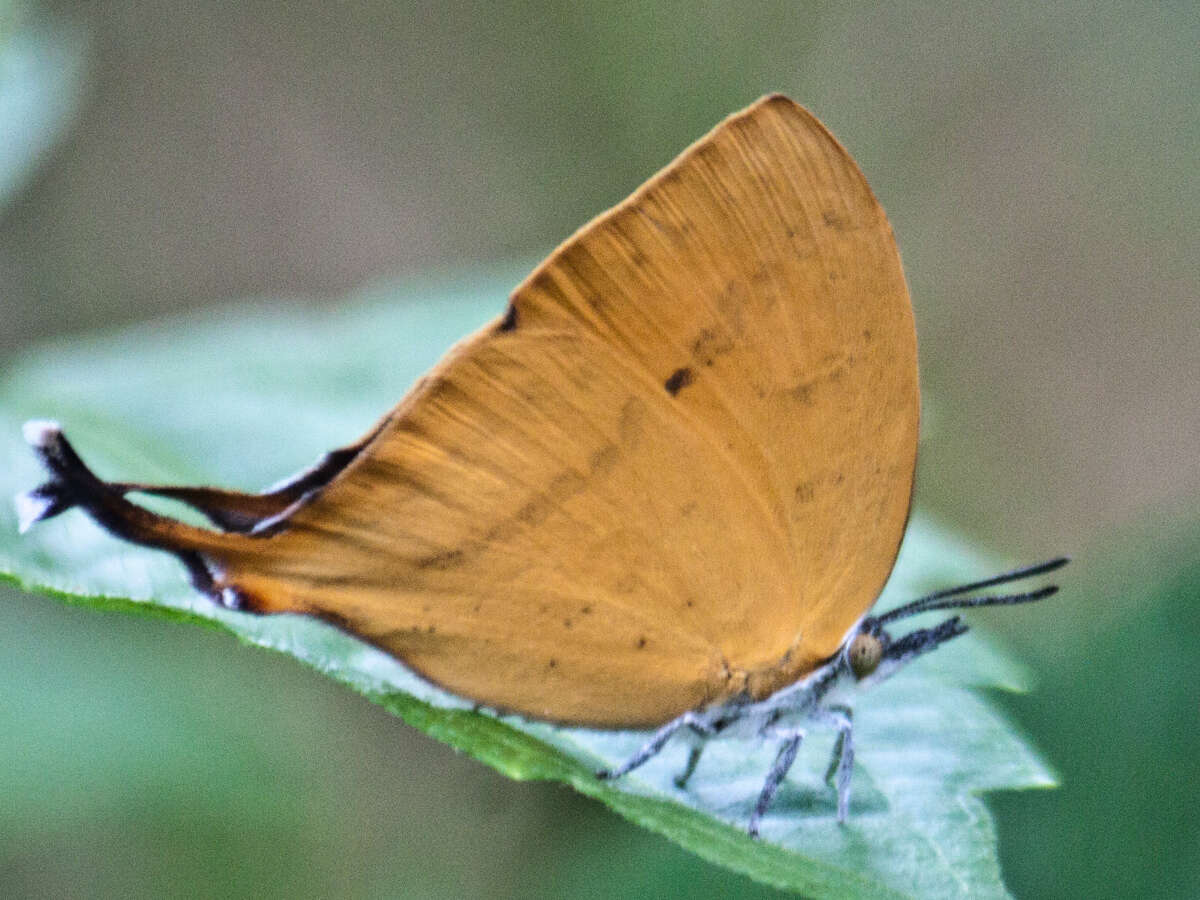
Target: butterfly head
[[874, 653]]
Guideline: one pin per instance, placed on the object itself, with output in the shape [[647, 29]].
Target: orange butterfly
[[661, 491]]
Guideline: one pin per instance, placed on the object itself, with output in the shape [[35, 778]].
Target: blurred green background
[[1038, 162]]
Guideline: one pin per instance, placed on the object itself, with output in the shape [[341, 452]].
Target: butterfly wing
[[678, 469]]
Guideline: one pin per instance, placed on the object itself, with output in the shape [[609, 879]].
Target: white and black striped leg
[[783, 762], [841, 763], [681, 779], [653, 746]]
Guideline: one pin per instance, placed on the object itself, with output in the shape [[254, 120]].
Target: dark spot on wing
[[566, 623], [553, 663], [534, 512], [447, 559], [679, 379], [604, 459], [586, 610], [831, 369], [626, 584], [709, 346], [641, 642], [805, 491], [509, 322]]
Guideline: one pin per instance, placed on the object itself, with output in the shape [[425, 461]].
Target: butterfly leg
[[783, 762], [841, 763], [652, 747], [698, 740]]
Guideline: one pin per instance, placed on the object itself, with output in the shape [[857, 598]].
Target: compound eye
[[866, 651]]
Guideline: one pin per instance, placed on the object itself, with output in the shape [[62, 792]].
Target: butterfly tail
[[73, 485]]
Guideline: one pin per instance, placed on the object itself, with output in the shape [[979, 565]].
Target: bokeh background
[[1039, 164]]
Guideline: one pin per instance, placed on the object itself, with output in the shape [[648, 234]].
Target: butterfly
[[661, 491]]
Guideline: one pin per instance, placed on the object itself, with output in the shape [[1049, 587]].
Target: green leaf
[[1120, 717], [245, 396]]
